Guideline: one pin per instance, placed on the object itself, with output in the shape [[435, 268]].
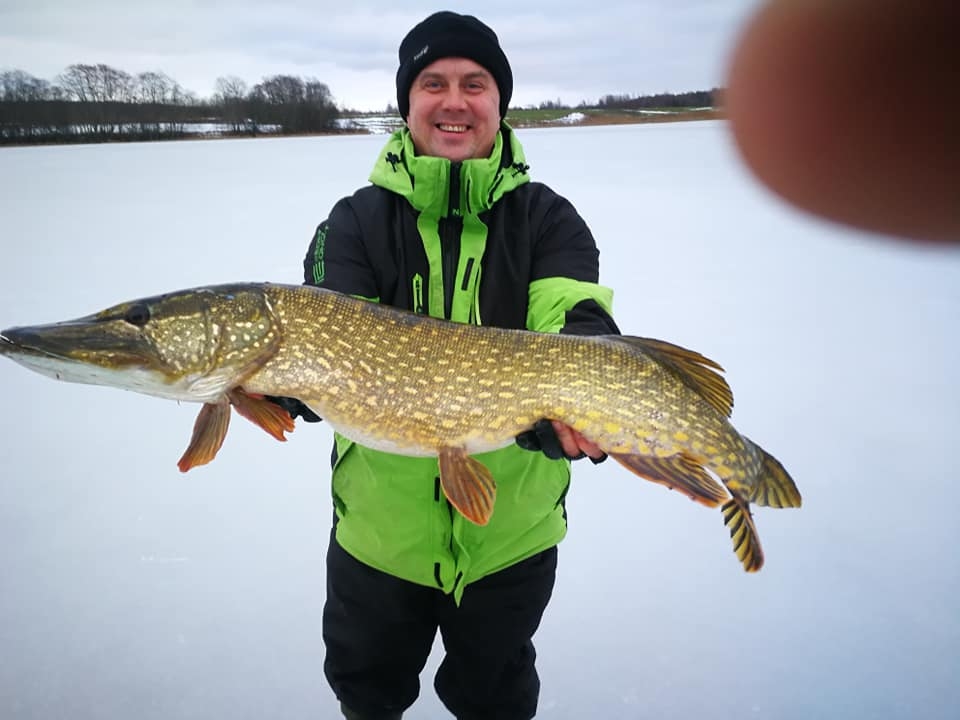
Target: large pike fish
[[419, 386]]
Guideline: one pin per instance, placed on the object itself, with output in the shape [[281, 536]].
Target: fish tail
[[773, 487], [746, 542]]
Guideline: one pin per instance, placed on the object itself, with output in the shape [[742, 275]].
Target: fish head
[[191, 345]]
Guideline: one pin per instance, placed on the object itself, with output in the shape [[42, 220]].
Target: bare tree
[[97, 83], [19, 86], [230, 93], [153, 88], [99, 102], [24, 111], [160, 104], [100, 89], [291, 103]]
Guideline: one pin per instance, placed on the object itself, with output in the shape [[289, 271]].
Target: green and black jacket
[[475, 242]]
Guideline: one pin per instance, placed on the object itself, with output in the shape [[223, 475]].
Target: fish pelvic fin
[[262, 412], [209, 430], [210, 427], [746, 542], [468, 484], [678, 472], [774, 487], [696, 371]]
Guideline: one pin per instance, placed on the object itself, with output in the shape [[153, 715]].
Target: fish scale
[[511, 378], [420, 386]]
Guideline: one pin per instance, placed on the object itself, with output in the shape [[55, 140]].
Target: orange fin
[[209, 430], [677, 472], [468, 484], [694, 370], [746, 542], [260, 411]]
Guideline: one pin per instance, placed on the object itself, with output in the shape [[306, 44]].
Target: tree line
[[96, 103], [693, 99]]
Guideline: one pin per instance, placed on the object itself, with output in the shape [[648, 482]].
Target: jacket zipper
[[449, 237]]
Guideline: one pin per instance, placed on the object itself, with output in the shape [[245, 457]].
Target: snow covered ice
[[130, 590]]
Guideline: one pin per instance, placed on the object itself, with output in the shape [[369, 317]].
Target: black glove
[[295, 408], [543, 438]]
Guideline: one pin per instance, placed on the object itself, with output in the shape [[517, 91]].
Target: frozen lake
[[128, 590]]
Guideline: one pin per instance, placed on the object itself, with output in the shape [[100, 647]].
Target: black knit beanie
[[449, 34]]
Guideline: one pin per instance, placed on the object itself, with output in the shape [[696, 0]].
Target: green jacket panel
[[393, 516]]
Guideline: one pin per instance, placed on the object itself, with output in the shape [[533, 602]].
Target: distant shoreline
[[379, 124]]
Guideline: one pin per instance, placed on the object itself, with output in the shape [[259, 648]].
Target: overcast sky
[[558, 48]]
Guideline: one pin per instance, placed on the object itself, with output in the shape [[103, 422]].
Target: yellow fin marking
[[774, 487], [746, 542]]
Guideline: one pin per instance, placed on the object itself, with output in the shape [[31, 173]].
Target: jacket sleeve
[[337, 257], [564, 293]]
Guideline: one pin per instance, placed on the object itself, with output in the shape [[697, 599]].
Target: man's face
[[454, 110]]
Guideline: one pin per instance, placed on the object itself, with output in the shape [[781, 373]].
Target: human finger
[[574, 444], [848, 109]]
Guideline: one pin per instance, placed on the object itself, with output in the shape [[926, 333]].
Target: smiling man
[[452, 226], [454, 110]]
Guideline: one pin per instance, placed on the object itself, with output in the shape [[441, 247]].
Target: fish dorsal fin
[[209, 430], [468, 484], [694, 370], [262, 412]]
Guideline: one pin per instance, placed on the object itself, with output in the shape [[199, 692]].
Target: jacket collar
[[425, 181]]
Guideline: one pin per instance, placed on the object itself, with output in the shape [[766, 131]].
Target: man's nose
[[455, 98]]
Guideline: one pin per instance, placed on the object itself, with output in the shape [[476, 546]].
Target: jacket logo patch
[[319, 247]]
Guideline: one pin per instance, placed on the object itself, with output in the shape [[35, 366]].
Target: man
[[452, 227]]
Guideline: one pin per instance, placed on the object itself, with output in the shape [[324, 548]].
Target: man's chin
[[455, 148]]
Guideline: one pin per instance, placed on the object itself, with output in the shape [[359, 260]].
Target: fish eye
[[138, 315]]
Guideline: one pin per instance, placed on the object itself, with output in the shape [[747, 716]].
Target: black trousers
[[379, 631]]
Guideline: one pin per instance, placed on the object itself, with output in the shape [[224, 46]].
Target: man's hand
[[557, 440]]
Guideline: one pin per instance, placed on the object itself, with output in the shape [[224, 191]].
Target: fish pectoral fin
[[209, 430], [678, 472], [468, 484], [746, 542], [262, 412]]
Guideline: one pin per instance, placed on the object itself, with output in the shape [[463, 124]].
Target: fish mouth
[[17, 342], [7, 345], [86, 340], [89, 352]]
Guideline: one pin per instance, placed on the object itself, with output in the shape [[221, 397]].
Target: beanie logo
[[424, 51]]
